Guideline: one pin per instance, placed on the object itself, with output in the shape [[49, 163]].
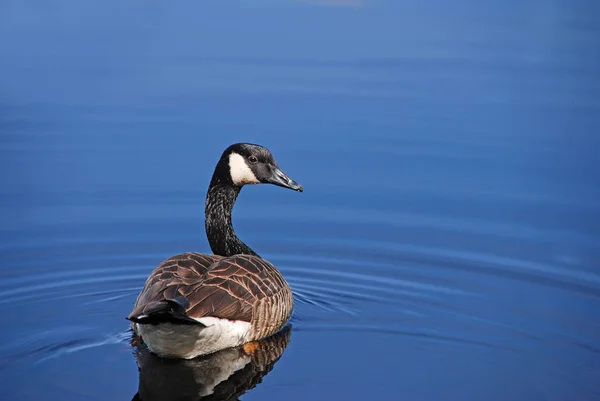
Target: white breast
[[189, 341]]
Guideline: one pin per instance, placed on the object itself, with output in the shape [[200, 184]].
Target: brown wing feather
[[238, 287], [169, 278], [232, 287]]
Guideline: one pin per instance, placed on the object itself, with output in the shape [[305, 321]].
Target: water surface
[[447, 242]]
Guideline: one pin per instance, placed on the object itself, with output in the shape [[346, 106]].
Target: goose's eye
[[252, 159]]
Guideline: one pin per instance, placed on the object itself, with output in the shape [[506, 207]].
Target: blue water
[[447, 242]]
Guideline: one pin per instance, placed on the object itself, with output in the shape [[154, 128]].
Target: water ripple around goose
[[448, 236], [347, 282]]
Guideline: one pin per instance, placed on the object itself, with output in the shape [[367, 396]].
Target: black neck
[[220, 199]]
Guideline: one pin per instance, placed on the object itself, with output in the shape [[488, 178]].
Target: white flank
[[240, 172], [189, 341]]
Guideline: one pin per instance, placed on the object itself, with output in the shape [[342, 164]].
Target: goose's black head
[[246, 163]]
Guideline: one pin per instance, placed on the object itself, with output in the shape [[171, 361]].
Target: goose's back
[[243, 288], [185, 269], [246, 288]]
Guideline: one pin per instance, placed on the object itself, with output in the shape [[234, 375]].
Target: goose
[[196, 304]]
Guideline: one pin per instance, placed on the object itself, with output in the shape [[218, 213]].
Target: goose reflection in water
[[224, 375]]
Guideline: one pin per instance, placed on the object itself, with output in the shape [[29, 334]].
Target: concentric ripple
[[341, 282], [446, 244]]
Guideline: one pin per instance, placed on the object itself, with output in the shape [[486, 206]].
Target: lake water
[[447, 243]]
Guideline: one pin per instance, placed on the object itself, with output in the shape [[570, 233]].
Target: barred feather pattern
[[240, 287]]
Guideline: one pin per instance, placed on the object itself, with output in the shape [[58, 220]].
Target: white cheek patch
[[240, 172]]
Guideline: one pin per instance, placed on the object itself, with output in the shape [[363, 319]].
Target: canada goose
[[195, 304]]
